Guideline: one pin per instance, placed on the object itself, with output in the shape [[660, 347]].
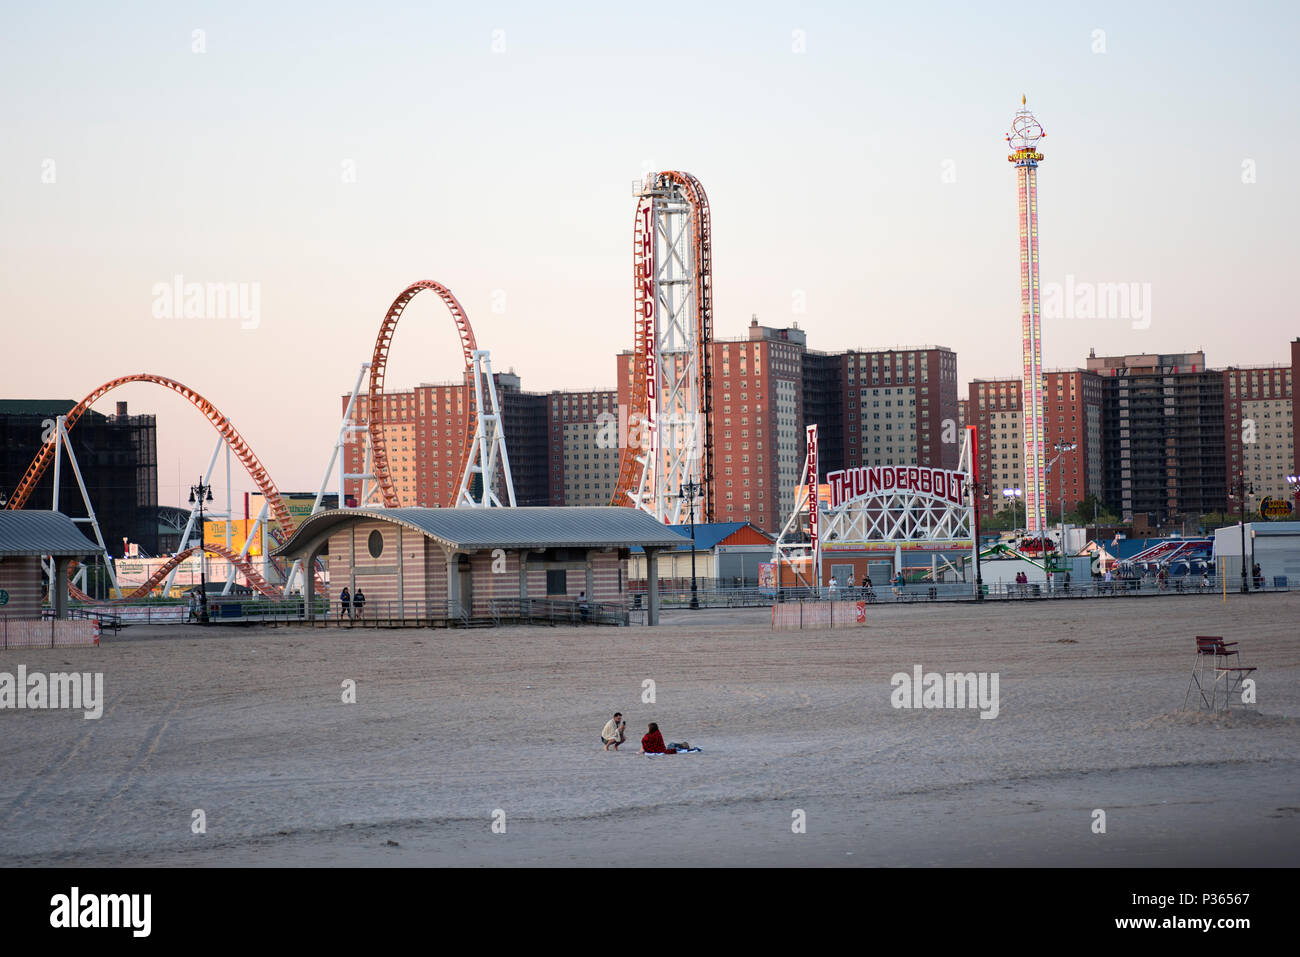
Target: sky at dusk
[[326, 155]]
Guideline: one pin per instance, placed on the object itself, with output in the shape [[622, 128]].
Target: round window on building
[[375, 543]]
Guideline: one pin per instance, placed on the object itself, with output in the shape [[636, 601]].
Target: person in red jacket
[[653, 742]]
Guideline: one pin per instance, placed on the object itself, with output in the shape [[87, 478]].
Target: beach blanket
[[686, 751]]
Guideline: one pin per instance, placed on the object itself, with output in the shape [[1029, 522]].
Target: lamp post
[[1061, 448], [1013, 494], [201, 494], [1242, 489], [976, 490], [690, 491]]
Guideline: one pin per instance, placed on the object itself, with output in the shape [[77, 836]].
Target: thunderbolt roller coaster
[[672, 264]]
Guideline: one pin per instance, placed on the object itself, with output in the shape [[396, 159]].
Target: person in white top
[[614, 732]]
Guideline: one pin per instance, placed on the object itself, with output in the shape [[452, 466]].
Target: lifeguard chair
[[1218, 662]]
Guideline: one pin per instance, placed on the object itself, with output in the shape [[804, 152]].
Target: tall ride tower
[[1023, 139], [668, 470]]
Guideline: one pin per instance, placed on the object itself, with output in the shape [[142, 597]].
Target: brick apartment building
[[758, 437], [426, 430], [883, 407], [584, 446], [1164, 435], [1259, 424]]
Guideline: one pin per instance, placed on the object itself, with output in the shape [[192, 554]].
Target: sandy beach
[[452, 731]]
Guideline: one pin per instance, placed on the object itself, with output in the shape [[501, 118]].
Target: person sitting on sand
[[615, 732], [653, 743]]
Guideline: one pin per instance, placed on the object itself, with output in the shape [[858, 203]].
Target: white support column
[[66, 444], [347, 436], [230, 528], [194, 512], [488, 446]]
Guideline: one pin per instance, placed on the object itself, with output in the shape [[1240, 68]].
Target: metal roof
[[709, 535], [477, 528], [41, 533]]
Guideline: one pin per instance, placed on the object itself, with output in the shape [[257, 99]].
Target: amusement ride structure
[[666, 461], [483, 457], [669, 446], [1023, 140]]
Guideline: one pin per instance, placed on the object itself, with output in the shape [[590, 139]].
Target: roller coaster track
[[644, 366], [378, 363], [256, 470], [255, 580]]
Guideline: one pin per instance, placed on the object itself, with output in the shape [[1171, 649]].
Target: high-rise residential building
[[871, 407], [1259, 422], [758, 423], [1072, 413], [584, 429], [525, 424], [993, 407], [1163, 432], [1295, 419], [118, 458], [823, 406], [900, 407], [427, 430]]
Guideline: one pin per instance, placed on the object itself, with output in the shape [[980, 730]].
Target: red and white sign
[[943, 484], [810, 477], [645, 279]]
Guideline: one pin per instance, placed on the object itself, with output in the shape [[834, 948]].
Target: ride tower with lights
[[1023, 139]]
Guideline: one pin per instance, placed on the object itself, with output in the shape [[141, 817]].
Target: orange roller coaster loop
[[378, 363], [255, 580], [253, 465]]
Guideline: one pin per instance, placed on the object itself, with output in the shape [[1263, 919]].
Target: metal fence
[[373, 614], [52, 633], [714, 597]]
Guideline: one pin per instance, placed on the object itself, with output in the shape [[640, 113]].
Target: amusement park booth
[[449, 564], [1274, 546], [26, 536], [726, 553]]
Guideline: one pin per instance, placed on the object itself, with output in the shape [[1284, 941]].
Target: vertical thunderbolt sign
[[1023, 139], [814, 532], [646, 294]]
